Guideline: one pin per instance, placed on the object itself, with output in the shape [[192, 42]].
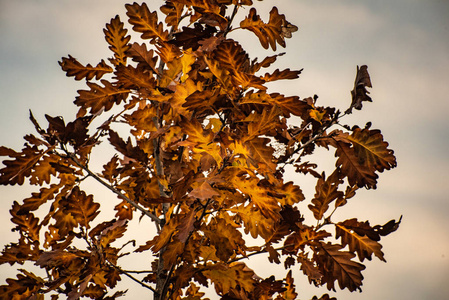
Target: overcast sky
[[405, 44]]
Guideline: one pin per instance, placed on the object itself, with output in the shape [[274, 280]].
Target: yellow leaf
[[317, 115], [226, 277], [186, 61]]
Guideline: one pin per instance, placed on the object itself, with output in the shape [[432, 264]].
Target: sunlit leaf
[[73, 68], [145, 22], [117, 39]]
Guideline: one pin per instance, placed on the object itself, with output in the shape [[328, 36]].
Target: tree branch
[[131, 277], [111, 188]]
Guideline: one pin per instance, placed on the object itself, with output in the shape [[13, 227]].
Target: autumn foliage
[[203, 149]]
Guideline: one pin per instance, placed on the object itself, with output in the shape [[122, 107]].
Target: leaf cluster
[[205, 159]]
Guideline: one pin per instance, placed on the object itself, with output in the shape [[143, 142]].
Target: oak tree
[[203, 155]]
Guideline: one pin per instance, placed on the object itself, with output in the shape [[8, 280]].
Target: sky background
[[405, 44]]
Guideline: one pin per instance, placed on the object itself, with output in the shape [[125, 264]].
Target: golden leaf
[[363, 245], [290, 293], [145, 22], [187, 60], [144, 57], [173, 10], [255, 222], [326, 192], [268, 33], [116, 37], [229, 276], [73, 68], [207, 12], [335, 264], [284, 74], [100, 98], [203, 191]]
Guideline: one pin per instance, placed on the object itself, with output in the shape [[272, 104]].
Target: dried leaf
[[359, 93]]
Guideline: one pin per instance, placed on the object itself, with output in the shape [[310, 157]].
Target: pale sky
[[405, 44]]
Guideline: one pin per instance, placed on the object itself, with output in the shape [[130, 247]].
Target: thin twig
[[264, 250], [132, 277], [111, 188], [228, 28]]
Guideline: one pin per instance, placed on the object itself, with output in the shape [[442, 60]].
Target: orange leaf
[[145, 22], [261, 153], [284, 74], [288, 105], [326, 192], [225, 237], [167, 52], [229, 276], [100, 98], [37, 199], [363, 245], [231, 56], [135, 78], [259, 194], [43, 170], [290, 293], [80, 206], [335, 264], [112, 232], [268, 33], [292, 194], [15, 171], [59, 258], [173, 10], [116, 37], [370, 149], [144, 57], [208, 12], [27, 223], [73, 68], [186, 225], [172, 253], [353, 167], [221, 74], [203, 191], [255, 222]]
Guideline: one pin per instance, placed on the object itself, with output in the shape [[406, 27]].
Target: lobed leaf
[[335, 264], [326, 192], [99, 98], [145, 22], [74, 68], [117, 39], [270, 33], [173, 10], [363, 245], [227, 277]]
